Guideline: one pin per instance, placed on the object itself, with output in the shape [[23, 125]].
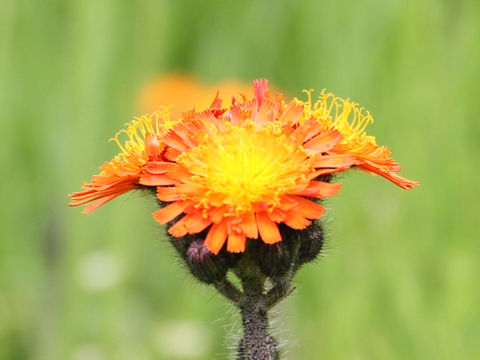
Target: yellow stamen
[[344, 115], [156, 123]]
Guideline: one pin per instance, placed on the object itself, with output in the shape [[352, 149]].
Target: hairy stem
[[257, 344], [230, 291]]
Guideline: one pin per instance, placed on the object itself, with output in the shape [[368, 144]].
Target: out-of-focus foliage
[[400, 279]]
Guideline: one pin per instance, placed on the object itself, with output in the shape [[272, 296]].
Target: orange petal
[[105, 182], [178, 229], [156, 180], [400, 181], [191, 189], [153, 145], [172, 154], [216, 103], [308, 208], [206, 118], [92, 207], [309, 129], [236, 242], [323, 142], [195, 222], [390, 175], [157, 167], [217, 213], [249, 225], [333, 161], [183, 132], [287, 202], [171, 211], [326, 172], [267, 228], [292, 114], [179, 173], [296, 221], [175, 141], [91, 195], [318, 189], [260, 88], [94, 191], [266, 112], [276, 215], [169, 193], [216, 237]]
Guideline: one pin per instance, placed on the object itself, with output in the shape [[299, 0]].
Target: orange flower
[[126, 171], [237, 172], [243, 171]]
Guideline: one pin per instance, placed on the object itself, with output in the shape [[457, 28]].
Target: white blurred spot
[[182, 339], [88, 352], [98, 271]]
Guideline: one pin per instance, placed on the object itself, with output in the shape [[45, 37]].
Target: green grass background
[[400, 279]]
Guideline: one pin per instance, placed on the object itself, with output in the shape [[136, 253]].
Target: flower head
[[238, 171]]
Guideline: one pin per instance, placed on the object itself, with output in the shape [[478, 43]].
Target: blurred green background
[[400, 279]]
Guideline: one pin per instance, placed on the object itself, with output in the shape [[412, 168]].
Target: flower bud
[[275, 259], [181, 244], [204, 265], [311, 243]]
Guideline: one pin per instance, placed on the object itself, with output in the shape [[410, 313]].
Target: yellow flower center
[[246, 165]]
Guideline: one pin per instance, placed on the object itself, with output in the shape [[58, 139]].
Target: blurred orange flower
[[185, 92]]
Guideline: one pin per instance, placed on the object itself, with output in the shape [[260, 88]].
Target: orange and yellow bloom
[[237, 171]]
